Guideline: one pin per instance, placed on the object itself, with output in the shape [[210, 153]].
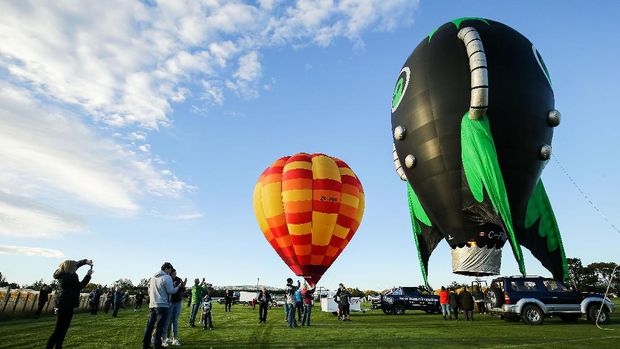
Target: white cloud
[[188, 216], [23, 217], [127, 62], [31, 251], [50, 158], [78, 80]]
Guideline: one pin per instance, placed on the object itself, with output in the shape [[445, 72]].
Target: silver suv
[[532, 298]]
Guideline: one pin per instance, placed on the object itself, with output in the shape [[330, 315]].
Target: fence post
[[26, 302], [16, 300], [6, 298], [49, 300], [36, 298]]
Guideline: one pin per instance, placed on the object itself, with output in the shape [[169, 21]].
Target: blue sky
[[133, 133]]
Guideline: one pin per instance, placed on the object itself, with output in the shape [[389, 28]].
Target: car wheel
[[593, 313], [399, 309], [569, 318], [532, 315], [388, 311]]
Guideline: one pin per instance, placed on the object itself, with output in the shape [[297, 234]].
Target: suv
[[532, 298], [407, 298]]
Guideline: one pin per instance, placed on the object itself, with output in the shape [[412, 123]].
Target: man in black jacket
[[264, 298], [43, 296], [68, 297], [467, 303]]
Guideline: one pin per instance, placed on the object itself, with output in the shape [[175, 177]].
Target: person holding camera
[[160, 289], [68, 297]]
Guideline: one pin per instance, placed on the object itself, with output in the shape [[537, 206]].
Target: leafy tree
[[371, 293], [577, 272], [355, 292], [36, 285], [144, 283], [124, 284], [602, 272], [3, 281]]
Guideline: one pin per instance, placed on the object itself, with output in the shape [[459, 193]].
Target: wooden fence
[[23, 303]]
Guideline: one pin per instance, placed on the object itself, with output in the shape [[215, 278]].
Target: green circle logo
[[400, 88]]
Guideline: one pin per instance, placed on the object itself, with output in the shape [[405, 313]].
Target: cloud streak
[[31, 251], [82, 87]]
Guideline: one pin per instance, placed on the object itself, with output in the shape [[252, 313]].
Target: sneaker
[[165, 344], [176, 341]]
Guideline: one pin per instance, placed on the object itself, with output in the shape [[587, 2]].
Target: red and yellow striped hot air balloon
[[308, 207]]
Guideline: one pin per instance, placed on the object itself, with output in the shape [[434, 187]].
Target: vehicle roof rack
[[527, 276]]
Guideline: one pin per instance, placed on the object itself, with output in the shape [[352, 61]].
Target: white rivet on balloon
[[554, 118], [410, 161], [399, 133], [545, 152]]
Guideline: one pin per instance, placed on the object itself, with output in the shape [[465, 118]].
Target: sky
[[133, 132]]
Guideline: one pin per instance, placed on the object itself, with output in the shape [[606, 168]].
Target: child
[[206, 312]]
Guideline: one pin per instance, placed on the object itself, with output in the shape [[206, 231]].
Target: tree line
[[591, 278]]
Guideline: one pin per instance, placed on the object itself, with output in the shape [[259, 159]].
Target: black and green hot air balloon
[[472, 117]]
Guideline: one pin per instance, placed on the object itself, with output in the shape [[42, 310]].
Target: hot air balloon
[[472, 118], [308, 206]]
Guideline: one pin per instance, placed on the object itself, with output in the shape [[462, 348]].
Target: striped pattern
[[479, 99], [308, 207]]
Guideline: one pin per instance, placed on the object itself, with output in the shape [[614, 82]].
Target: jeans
[[445, 310], [192, 315], [455, 311], [173, 320], [291, 316], [63, 321], [262, 311], [300, 308], [469, 315], [207, 320], [117, 306], [285, 311], [307, 313], [157, 315]]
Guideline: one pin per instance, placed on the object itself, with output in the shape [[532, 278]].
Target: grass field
[[370, 330]]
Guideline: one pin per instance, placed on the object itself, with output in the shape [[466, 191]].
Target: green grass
[[372, 329]]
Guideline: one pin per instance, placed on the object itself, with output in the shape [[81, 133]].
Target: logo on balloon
[[400, 88]]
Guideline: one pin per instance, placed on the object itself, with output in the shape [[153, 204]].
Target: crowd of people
[[452, 303], [165, 296]]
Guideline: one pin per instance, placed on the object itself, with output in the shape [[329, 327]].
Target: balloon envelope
[[308, 206]]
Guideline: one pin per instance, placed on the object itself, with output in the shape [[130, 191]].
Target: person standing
[[479, 299], [44, 294], [93, 300], [139, 300], [68, 297], [264, 298], [290, 300], [344, 297], [207, 320], [454, 304], [160, 289], [307, 294], [109, 300], [118, 301], [445, 303], [197, 294], [467, 303], [174, 311], [228, 300], [299, 305]]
